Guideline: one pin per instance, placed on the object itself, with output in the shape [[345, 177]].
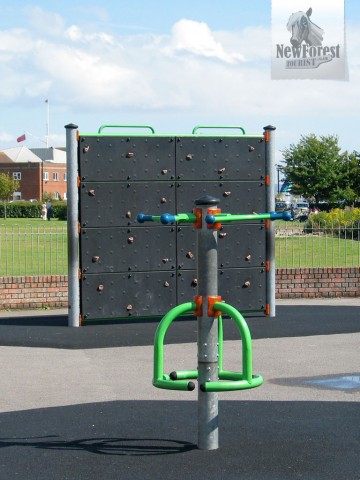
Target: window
[[17, 175], [45, 176], [65, 196], [56, 195], [65, 177], [55, 176]]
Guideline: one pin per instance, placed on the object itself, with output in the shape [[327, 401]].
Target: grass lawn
[[31, 246], [316, 251]]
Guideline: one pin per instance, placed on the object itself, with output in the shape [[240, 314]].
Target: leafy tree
[[349, 177], [312, 166], [7, 187]]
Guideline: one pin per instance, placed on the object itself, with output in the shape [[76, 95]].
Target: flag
[[21, 138], [286, 186]]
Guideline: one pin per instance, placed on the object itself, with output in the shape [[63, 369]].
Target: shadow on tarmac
[[290, 321], [131, 439]]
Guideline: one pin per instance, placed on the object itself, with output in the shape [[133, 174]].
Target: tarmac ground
[[78, 403]]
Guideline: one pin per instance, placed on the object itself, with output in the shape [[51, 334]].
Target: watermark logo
[[302, 48]]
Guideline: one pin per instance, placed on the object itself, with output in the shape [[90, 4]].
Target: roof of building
[[19, 155], [51, 154], [32, 155]]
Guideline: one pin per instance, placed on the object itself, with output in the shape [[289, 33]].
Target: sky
[[165, 63]]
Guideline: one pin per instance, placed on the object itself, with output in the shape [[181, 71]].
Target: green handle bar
[[126, 126], [198, 127]]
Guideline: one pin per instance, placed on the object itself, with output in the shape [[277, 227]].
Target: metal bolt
[[189, 255], [130, 154], [194, 282], [248, 258], [129, 307], [163, 200], [95, 258], [91, 193], [247, 283], [221, 170], [251, 149], [222, 234], [166, 284], [165, 260], [130, 239], [164, 171], [128, 214], [86, 149], [226, 194], [100, 288], [189, 156]]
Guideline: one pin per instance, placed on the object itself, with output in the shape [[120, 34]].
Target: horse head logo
[[304, 30]]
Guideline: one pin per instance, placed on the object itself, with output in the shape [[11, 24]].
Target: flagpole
[[47, 122]]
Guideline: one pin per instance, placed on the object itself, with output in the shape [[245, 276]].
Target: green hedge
[[32, 210]]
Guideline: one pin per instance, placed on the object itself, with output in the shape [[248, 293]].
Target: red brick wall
[[50, 291], [46, 291], [317, 282]]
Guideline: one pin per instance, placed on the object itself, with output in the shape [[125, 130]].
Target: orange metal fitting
[[267, 309], [216, 225], [198, 300], [267, 266], [267, 136], [267, 180], [212, 299], [198, 214]]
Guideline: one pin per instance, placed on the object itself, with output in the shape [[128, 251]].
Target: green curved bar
[[102, 127], [160, 380], [234, 380], [198, 127]]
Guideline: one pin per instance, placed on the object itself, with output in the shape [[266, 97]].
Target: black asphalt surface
[[267, 440], [52, 331]]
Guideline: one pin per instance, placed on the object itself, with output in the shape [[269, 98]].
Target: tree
[[312, 166], [349, 177], [7, 187]]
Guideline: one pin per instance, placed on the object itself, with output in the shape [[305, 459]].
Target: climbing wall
[[136, 270]]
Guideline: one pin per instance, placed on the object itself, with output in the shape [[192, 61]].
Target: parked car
[[282, 206], [301, 211]]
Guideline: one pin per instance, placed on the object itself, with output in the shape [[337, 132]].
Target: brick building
[[40, 171]]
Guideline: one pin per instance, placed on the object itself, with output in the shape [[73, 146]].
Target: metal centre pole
[[208, 420], [72, 226]]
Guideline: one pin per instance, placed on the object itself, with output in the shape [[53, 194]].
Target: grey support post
[[270, 207], [208, 421], [72, 226]]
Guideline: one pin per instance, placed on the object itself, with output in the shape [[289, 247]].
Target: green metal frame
[[228, 380]]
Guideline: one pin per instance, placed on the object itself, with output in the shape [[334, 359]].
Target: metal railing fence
[[26, 250], [317, 244]]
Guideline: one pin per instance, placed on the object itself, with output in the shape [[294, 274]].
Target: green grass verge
[[33, 246], [316, 252]]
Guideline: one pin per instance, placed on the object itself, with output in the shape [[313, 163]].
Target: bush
[[21, 210], [59, 210], [32, 210], [343, 222]]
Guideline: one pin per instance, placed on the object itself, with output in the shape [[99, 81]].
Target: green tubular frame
[[228, 381]]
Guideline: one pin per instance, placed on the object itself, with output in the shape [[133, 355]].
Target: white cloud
[[194, 72], [6, 137], [75, 34], [45, 22], [16, 40], [196, 37]]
